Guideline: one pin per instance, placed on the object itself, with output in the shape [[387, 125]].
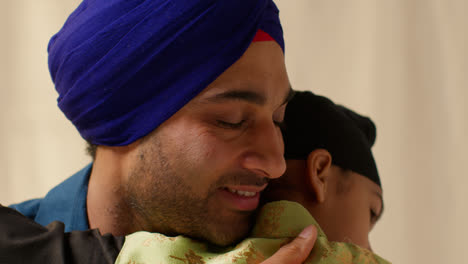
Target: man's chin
[[227, 239], [228, 234]]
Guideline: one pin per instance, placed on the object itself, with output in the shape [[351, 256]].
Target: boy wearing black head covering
[[330, 168], [315, 122], [331, 181]]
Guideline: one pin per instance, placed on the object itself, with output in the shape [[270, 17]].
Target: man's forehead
[[260, 70], [255, 96]]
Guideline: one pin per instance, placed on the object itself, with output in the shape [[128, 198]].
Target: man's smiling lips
[[241, 197]]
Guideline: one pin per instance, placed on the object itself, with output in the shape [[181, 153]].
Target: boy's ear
[[318, 169]]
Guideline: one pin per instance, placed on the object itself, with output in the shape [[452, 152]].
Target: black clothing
[[24, 241]]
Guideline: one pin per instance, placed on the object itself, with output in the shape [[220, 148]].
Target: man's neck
[[106, 204]]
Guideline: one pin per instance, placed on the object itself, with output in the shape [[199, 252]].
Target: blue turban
[[122, 67]]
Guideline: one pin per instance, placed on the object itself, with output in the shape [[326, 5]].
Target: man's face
[[200, 172], [352, 207]]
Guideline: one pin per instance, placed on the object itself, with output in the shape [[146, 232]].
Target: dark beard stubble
[[162, 202]]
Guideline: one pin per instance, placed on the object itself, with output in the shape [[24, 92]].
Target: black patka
[[313, 122]]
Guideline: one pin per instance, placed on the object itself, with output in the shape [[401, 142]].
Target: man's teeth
[[242, 193]]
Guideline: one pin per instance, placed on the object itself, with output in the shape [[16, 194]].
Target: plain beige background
[[404, 63]]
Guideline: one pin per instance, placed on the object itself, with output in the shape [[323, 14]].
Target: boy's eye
[[373, 216], [229, 125]]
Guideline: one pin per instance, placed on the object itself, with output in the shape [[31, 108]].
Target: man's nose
[[265, 155]]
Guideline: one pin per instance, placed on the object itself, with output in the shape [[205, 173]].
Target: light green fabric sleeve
[[277, 223]]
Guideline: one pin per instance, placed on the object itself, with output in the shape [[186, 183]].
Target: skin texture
[[346, 204], [175, 180]]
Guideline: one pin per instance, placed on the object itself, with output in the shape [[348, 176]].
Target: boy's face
[[352, 206]]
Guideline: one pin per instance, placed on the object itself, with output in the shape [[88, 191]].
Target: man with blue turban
[[184, 100]]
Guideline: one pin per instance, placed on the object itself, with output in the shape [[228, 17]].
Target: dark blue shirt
[[65, 203]]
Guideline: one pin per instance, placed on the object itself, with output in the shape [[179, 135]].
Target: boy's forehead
[[367, 184], [370, 187]]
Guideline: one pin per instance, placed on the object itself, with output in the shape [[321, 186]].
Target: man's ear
[[318, 169]]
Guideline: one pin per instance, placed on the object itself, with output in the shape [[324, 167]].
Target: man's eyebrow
[[242, 95]]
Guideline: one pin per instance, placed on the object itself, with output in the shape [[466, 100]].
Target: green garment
[[277, 224]]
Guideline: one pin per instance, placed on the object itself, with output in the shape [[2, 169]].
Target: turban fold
[[122, 67], [313, 122]]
